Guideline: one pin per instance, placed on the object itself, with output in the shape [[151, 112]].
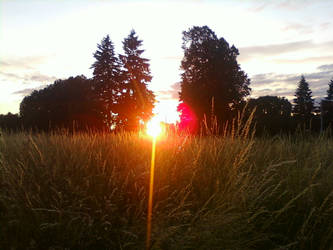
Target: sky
[[278, 41]]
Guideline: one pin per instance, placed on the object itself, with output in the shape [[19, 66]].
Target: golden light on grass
[[154, 129]]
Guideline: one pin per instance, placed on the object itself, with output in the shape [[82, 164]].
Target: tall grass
[[89, 191]]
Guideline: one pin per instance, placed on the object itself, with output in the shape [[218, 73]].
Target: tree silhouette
[[136, 101], [107, 76], [67, 104], [10, 122], [272, 114], [327, 107], [330, 91], [211, 76], [303, 102]]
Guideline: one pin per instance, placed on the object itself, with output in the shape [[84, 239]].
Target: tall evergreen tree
[[136, 101], [211, 75], [330, 91], [303, 102], [327, 107], [107, 77]]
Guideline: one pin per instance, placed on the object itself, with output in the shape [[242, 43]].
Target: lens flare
[[154, 127]]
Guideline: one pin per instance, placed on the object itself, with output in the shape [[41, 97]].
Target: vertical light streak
[[151, 189]]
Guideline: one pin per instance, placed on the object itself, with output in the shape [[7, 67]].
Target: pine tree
[[136, 101], [303, 102], [107, 77], [326, 106], [330, 91]]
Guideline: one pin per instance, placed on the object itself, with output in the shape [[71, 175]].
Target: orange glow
[[154, 129], [150, 199]]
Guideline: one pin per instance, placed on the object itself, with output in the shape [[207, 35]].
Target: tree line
[[115, 98], [213, 90]]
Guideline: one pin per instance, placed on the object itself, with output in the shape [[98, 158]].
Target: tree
[[327, 107], [303, 102], [107, 75], [66, 103], [272, 114], [211, 75], [136, 101], [330, 91], [10, 122]]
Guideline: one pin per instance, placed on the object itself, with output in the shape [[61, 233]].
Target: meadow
[[90, 191]]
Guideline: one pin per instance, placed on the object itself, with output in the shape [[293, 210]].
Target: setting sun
[[154, 127]]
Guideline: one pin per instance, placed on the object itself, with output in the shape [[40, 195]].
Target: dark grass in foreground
[[90, 192]]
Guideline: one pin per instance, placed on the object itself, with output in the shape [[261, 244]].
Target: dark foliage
[[107, 76], [327, 108], [304, 103], [121, 84], [330, 91], [136, 101], [211, 79], [213, 88], [272, 114], [69, 103], [10, 122]]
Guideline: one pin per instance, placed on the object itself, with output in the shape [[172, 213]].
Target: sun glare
[[154, 127], [166, 111]]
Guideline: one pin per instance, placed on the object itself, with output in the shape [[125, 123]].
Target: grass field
[[89, 191]]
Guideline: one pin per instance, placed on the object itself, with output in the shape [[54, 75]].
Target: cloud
[[301, 28], [282, 92], [280, 4], [27, 78], [260, 7], [286, 84], [9, 75], [293, 5], [261, 80], [170, 93], [326, 67], [27, 91], [325, 25], [271, 50], [23, 69], [24, 92], [27, 62], [328, 58], [37, 77], [4, 64]]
